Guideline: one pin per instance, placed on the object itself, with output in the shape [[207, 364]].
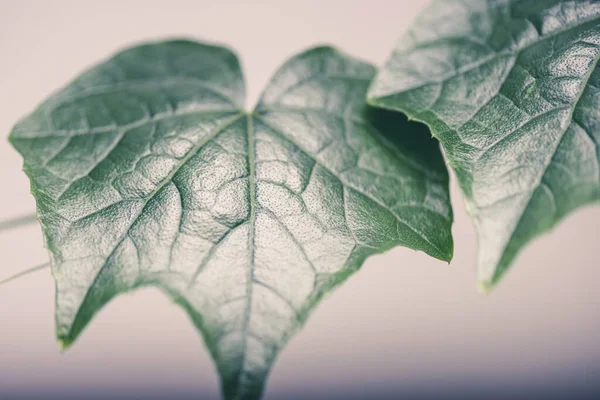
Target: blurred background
[[404, 326]]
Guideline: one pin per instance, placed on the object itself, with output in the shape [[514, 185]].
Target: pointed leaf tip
[[485, 287], [63, 345]]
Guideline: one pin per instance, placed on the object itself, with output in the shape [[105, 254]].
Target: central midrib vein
[[251, 246]]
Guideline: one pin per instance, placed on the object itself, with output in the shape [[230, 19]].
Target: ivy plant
[[511, 88], [147, 171]]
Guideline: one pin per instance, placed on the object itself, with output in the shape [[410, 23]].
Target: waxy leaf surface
[[147, 172]]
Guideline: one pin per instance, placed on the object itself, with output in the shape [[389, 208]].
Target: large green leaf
[[147, 172], [511, 89]]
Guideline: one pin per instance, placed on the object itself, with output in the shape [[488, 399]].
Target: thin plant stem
[[26, 272], [16, 222]]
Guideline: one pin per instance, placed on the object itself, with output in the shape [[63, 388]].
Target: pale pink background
[[404, 320]]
